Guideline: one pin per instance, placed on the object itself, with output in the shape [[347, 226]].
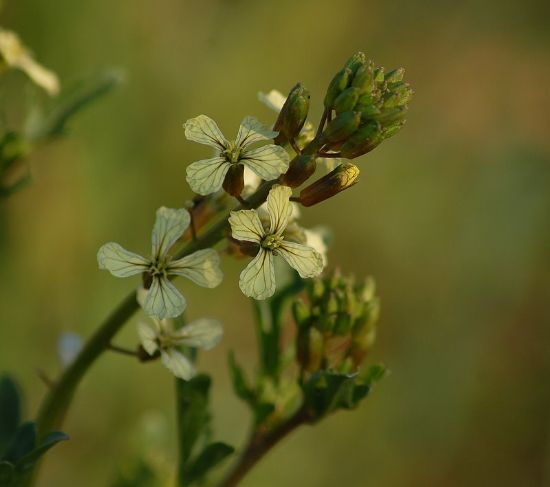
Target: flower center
[[271, 242], [232, 154]]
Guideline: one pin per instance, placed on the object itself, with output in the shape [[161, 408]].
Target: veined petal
[[177, 363], [163, 300], [257, 280], [119, 261], [246, 225], [307, 261], [268, 161], [252, 130], [204, 130], [204, 333], [202, 267], [274, 99], [169, 226], [279, 207], [206, 176], [147, 337]]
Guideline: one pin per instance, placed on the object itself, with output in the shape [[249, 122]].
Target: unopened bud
[[299, 170], [310, 349], [293, 114], [233, 183], [317, 290], [338, 84], [391, 115], [364, 78], [394, 75], [364, 140], [355, 62], [343, 324], [341, 127], [301, 313], [346, 100], [339, 179]]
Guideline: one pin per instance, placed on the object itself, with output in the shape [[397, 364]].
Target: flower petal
[[204, 130], [202, 267], [246, 225], [147, 337], [164, 300], [252, 130], [274, 99], [257, 280], [268, 161], [169, 227], [119, 261], [204, 333], [279, 207], [206, 176], [307, 261], [178, 364]]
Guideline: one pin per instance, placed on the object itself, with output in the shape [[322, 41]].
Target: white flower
[[15, 55], [161, 337], [163, 300], [257, 280], [207, 176]]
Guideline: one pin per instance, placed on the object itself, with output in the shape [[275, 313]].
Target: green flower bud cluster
[[337, 323], [365, 105]]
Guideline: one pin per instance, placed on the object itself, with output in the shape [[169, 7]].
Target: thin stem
[[322, 123], [334, 155], [122, 350], [296, 199], [259, 445], [294, 146]]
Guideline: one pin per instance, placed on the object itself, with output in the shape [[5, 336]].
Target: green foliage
[[197, 455], [20, 448]]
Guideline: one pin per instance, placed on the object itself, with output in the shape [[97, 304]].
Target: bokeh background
[[452, 217]]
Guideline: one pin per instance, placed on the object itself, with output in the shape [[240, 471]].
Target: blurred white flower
[[163, 338], [15, 55]]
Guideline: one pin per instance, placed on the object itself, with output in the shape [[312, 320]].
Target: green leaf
[[51, 439], [23, 442], [326, 392], [212, 455], [53, 123], [240, 383], [194, 417], [10, 410], [7, 474]]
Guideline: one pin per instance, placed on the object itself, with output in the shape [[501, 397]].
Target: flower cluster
[[363, 106]]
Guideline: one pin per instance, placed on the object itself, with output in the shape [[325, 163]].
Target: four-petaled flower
[[163, 300], [163, 338], [207, 176], [257, 280]]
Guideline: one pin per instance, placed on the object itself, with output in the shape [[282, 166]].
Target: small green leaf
[[7, 474], [51, 439], [23, 442], [326, 392], [240, 383], [192, 397], [210, 457], [10, 410]]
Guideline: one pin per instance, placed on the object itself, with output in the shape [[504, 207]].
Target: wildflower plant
[[333, 315]]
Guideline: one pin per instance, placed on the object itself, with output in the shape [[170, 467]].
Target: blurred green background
[[451, 216]]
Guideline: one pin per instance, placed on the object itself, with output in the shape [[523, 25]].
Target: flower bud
[[233, 183], [338, 84], [341, 127], [364, 78], [299, 170], [394, 75], [346, 100], [293, 114], [339, 179], [364, 140], [391, 115], [310, 349], [301, 313], [355, 62], [317, 290]]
